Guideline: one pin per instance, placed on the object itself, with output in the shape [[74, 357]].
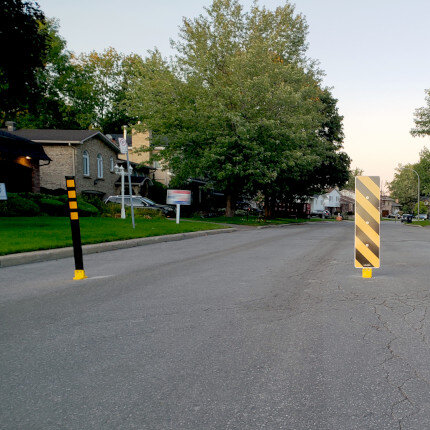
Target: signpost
[[124, 150], [178, 198], [367, 223], [3, 194]]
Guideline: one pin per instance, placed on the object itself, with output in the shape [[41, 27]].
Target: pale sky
[[374, 52]]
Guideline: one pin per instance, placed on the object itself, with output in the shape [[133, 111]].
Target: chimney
[[11, 126]]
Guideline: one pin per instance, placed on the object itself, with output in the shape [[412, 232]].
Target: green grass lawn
[[424, 223], [255, 221], [20, 234]]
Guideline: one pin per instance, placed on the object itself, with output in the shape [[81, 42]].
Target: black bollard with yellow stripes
[[367, 223], [76, 231]]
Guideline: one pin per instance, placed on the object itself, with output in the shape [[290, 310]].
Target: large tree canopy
[[24, 54], [241, 105]]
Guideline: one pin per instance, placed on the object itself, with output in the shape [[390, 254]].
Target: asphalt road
[[257, 329]]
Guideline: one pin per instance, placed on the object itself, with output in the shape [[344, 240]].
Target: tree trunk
[[229, 209], [267, 207]]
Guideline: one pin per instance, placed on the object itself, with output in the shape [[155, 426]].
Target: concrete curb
[[57, 253]]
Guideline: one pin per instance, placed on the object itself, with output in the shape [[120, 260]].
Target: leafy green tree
[[423, 208], [240, 105], [404, 187], [98, 92], [24, 55], [53, 109], [350, 185], [422, 119]]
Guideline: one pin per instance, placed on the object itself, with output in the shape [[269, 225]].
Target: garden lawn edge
[[58, 253]]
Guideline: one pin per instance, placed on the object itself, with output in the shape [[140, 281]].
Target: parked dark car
[[143, 202], [407, 218]]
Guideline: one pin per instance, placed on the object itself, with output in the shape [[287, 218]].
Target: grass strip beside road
[[255, 221], [22, 234], [424, 223]]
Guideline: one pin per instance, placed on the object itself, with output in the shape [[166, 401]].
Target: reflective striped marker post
[[76, 231], [367, 223]]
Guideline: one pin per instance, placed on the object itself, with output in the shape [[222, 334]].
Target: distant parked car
[[143, 202], [423, 216], [407, 218]]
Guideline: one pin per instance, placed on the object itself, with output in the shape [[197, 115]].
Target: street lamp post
[[120, 171], [418, 213]]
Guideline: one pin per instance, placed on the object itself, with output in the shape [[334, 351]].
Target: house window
[[156, 164], [86, 161], [99, 166], [111, 164]]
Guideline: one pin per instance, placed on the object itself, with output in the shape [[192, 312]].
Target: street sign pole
[[121, 169], [178, 213]]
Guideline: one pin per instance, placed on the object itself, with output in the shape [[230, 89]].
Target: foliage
[[350, 185], [16, 205], [24, 55], [53, 207], [404, 184], [158, 192], [241, 106], [422, 118], [423, 208]]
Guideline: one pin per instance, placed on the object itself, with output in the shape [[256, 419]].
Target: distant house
[[389, 206], [138, 145], [347, 202], [329, 201], [86, 154], [20, 161]]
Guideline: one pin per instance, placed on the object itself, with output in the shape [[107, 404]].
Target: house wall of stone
[[52, 175], [105, 184]]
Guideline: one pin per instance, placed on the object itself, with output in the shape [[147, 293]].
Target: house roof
[[17, 146], [54, 136]]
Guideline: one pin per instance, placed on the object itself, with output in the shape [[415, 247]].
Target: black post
[[76, 231]]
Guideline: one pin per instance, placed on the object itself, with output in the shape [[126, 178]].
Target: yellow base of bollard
[[80, 274], [367, 272]]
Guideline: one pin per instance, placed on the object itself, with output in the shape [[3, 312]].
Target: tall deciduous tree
[[24, 50], [240, 105], [422, 119], [404, 184]]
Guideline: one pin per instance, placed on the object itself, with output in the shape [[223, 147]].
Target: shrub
[[53, 207], [86, 209], [18, 206]]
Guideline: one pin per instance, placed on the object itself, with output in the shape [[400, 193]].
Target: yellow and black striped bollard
[[367, 223], [76, 231]]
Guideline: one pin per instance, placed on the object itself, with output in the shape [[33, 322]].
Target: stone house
[[86, 154]]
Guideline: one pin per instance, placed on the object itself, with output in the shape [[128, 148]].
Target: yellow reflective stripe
[[367, 230], [71, 194], [370, 185], [73, 215], [70, 183], [366, 252], [367, 206], [73, 205], [358, 264]]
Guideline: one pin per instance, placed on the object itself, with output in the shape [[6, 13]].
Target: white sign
[[123, 147], [3, 194], [178, 197]]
